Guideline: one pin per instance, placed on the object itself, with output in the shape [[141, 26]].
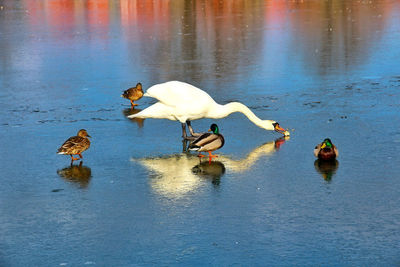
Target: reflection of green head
[[327, 143], [214, 128]]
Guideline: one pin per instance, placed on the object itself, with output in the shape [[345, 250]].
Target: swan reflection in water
[[78, 174], [326, 168], [175, 175], [129, 111]]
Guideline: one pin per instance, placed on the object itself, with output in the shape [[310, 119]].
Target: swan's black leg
[[189, 124], [184, 135], [184, 145]]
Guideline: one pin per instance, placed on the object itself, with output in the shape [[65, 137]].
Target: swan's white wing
[[178, 101], [175, 93]]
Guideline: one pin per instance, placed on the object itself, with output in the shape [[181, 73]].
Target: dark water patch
[[105, 110], [57, 190], [103, 119], [312, 104], [262, 107], [49, 121], [75, 120]]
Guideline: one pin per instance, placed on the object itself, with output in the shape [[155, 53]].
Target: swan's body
[[184, 102]]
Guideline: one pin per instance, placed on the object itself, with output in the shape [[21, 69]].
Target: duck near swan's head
[[133, 94]]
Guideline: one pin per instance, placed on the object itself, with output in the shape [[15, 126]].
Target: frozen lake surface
[[320, 68]]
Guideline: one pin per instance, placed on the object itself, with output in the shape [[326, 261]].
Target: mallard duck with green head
[[208, 142], [75, 145], [133, 94], [326, 150]]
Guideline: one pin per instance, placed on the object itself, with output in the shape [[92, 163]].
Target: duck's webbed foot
[[73, 159]]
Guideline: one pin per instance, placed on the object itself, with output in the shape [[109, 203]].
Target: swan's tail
[[137, 115]]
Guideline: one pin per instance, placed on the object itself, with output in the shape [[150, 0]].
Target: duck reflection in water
[[326, 168], [210, 170], [129, 111], [176, 175], [78, 174]]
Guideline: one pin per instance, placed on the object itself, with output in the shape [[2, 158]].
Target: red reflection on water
[[146, 11], [275, 12], [98, 13], [61, 15], [328, 34]]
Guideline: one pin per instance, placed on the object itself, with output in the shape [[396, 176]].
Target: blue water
[[319, 68]]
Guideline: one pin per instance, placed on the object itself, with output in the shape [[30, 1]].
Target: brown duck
[[75, 145], [326, 150], [133, 94]]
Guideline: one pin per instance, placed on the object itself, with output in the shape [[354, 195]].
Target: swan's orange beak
[[278, 128]]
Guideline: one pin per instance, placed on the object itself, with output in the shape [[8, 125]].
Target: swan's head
[[273, 126], [279, 129]]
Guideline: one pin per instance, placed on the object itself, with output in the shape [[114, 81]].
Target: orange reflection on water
[[336, 34], [227, 34], [148, 12], [98, 13]]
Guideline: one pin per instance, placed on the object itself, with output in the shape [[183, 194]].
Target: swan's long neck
[[221, 111]]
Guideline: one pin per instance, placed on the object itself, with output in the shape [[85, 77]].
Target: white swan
[[184, 102]]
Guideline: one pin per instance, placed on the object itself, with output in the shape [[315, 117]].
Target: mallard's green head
[[326, 143], [214, 128]]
